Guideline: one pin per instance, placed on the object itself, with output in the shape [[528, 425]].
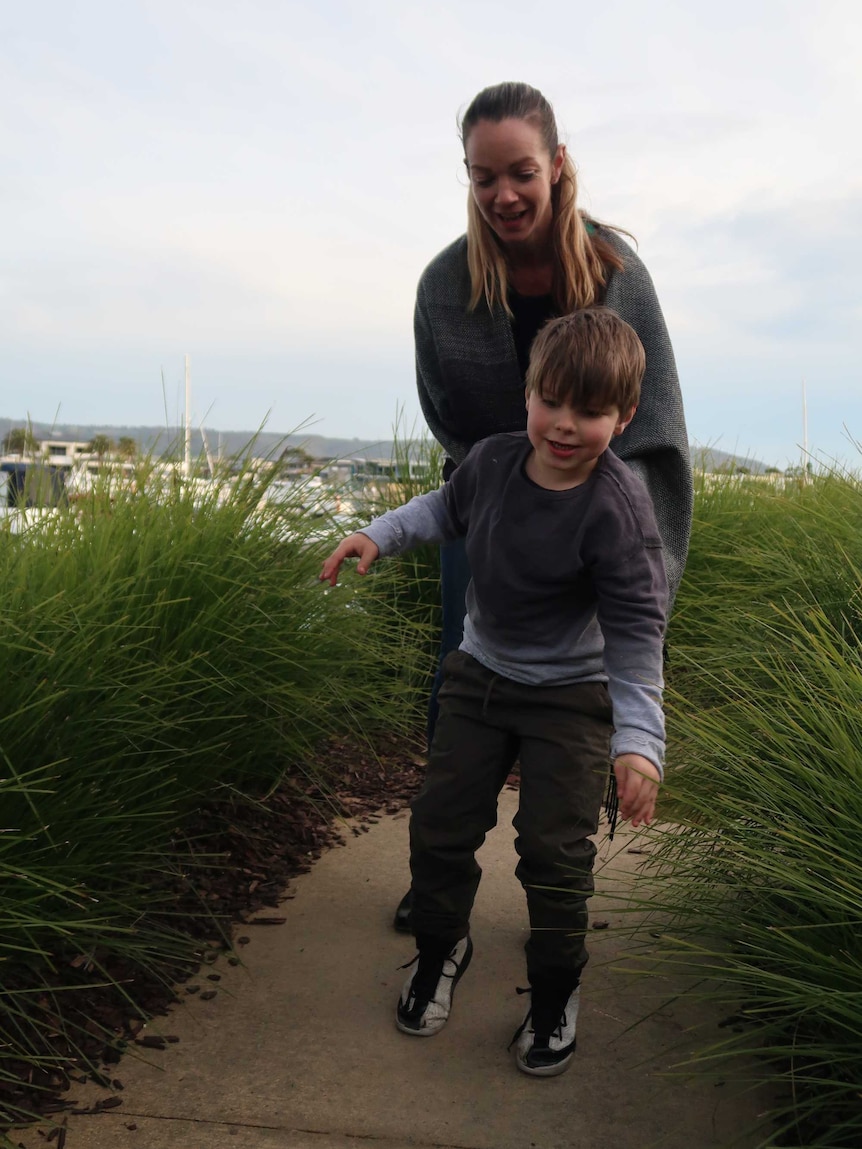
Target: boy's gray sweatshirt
[[568, 586], [470, 384]]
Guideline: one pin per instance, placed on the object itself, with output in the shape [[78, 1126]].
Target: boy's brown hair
[[589, 358]]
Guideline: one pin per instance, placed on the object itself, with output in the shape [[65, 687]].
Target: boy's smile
[[568, 440]]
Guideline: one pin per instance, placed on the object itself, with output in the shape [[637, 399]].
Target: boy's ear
[[624, 421]]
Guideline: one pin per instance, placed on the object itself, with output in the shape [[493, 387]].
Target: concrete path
[[299, 1050]]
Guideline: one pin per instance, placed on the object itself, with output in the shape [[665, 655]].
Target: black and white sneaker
[[426, 999], [545, 1043]]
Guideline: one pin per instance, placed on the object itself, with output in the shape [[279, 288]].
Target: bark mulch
[[231, 868]]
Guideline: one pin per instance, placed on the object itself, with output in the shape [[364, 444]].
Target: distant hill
[[159, 440], [710, 459], [261, 444]]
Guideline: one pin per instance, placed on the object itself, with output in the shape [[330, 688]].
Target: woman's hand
[[637, 786], [356, 546]]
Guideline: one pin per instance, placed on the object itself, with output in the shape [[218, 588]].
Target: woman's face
[[511, 176]]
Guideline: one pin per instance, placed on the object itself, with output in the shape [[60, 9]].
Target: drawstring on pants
[[487, 697], [612, 804]]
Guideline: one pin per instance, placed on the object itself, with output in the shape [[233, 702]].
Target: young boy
[[560, 667]]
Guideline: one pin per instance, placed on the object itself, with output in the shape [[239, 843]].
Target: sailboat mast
[[187, 457]]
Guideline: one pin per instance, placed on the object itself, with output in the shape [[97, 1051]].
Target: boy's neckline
[[531, 455]]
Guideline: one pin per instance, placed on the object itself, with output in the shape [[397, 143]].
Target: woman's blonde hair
[[582, 258]]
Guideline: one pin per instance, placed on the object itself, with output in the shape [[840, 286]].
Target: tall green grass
[[759, 550], [164, 645], [759, 883], [413, 579]]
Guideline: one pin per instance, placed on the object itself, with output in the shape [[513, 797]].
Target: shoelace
[[523, 1024], [423, 977], [556, 1032]]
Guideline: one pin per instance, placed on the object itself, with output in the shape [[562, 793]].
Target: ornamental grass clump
[[758, 884], [166, 643], [759, 547], [413, 580]]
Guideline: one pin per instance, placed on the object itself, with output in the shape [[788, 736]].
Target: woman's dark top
[[530, 313]]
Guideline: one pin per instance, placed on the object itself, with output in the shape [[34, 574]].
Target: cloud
[[261, 185], [779, 277]]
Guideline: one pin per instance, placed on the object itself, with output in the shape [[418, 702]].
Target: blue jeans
[[454, 580]]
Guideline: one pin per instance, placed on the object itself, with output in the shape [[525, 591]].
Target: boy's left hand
[[358, 546], [637, 786]]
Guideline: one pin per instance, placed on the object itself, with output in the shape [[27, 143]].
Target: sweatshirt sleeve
[[633, 665], [425, 519], [631, 587]]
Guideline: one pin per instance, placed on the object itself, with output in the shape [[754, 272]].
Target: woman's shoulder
[[630, 287], [447, 268], [623, 247]]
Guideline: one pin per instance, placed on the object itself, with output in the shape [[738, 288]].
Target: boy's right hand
[[638, 781], [356, 546]]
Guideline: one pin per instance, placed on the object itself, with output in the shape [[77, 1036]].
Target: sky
[[258, 184]]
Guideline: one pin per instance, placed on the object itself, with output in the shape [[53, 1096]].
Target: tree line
[[21, 441]]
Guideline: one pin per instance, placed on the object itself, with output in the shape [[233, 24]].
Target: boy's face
[[568, 440]]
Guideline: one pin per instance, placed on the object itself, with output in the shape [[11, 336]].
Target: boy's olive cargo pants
[[561, 736]]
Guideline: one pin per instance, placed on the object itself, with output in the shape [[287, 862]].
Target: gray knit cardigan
[[470, 385]]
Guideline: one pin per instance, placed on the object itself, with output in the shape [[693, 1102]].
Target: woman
[[530, 254]]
